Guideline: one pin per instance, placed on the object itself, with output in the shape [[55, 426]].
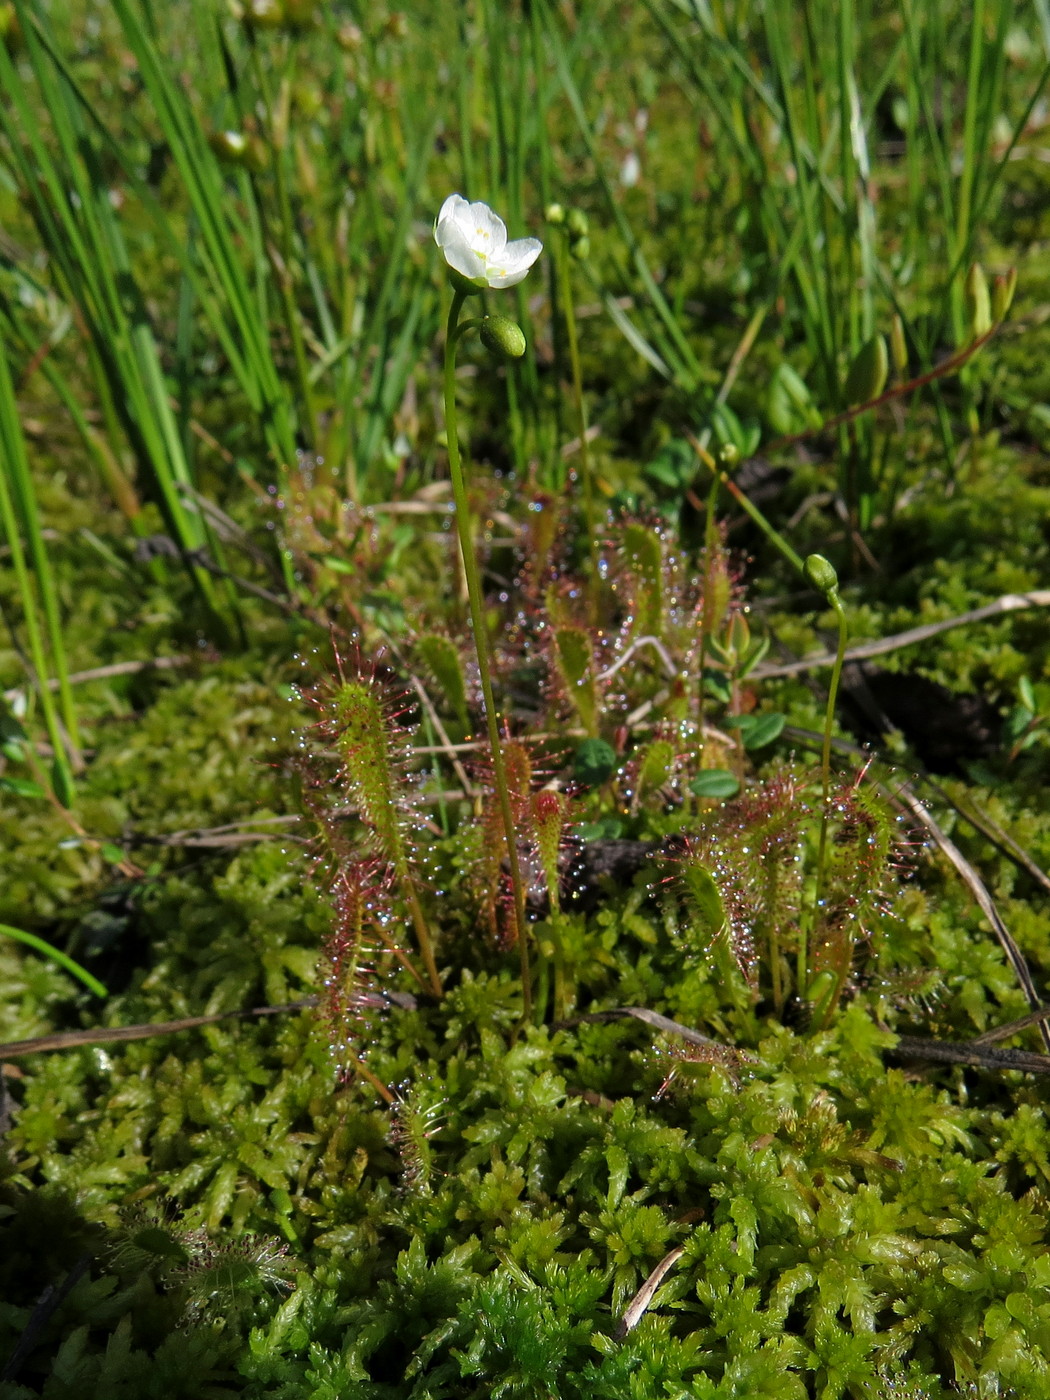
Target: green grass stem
[[63, 960]]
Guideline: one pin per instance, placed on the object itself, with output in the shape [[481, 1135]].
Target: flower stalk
[[820, 573], [477, 621]]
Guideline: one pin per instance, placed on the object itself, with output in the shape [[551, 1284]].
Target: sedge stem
[[569, 311], [825, 787]]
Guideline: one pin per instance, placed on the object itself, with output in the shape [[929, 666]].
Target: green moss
[[236, 1209]]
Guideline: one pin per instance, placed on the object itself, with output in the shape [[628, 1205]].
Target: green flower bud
[[264, 14], [349, 38], [555, 213], [229, 145], [300, 14], [898, 346], [10, 33], [867, 374], [729, 454], [821, 574], [577, 223], [580, 248], [1003, 294], [821, 987], [503, 337], [978, 303]]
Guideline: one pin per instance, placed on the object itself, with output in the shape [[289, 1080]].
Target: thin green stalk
[[677, 349], [57, 956], [710, 543], [773, 535], [92, 267], [419, 924], [569, 311], [14, 469], [477, 619], [224, 292], [285, 281], [561, 1004], [807, 924]]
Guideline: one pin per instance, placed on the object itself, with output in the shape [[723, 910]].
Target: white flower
[[474, 242]]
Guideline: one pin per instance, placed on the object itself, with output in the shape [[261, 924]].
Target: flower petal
[[523, 252], [458, 253], [485, 230], [498, 278], [449, 209], [514, 262]]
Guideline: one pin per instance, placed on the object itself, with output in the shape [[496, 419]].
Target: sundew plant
[[524, 681]]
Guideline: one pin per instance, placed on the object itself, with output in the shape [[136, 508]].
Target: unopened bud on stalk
[[10, 34], [503, 337], [978, 303], [300, 14], [898, 346], [580, 249], [1003, 290], [821, 574], [729, 454], [229, 145], [577, 224], [867, 374], [235, 148], [555, 213], [264, 14]]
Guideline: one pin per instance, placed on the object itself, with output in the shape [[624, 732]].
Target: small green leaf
[[703, 896], [764, 730], [10, 729], [62, 781], [674, 466], [742, 722], [441, 657], [731, 432], [716, 684], [595, 762], [754, 654], [643, 551], [1017, 721], [22, 787], [789, 407], [715, 782], [111, 853], [574, 661], [338, 566]]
